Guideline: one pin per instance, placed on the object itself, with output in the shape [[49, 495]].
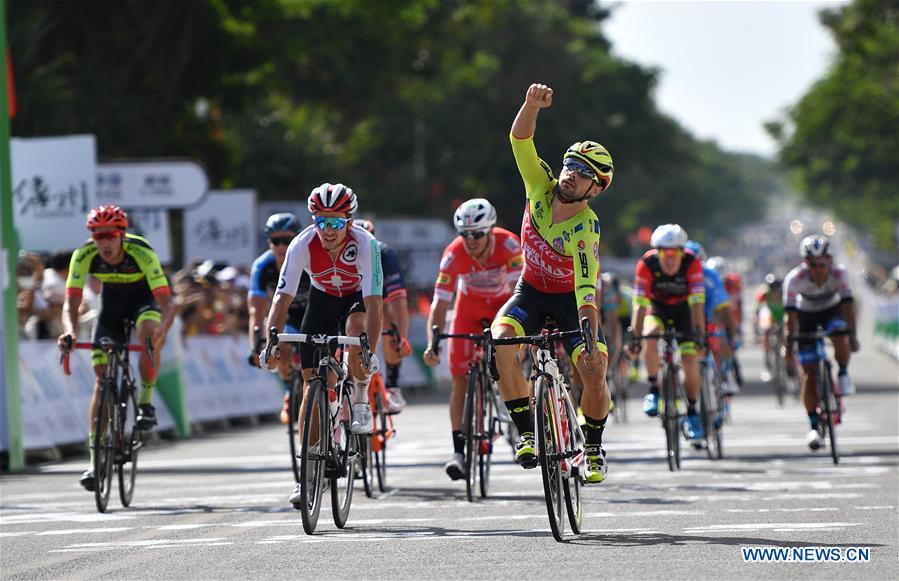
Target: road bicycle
[[711, 402], [483, 415], [830, 404], [560, 441], [671, 409], [117, 438], [329, 451]]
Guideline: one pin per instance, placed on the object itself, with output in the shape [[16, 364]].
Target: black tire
[[382, 427], [780, 377], [825, 381], [132, 441], [294, 400], [367, 471], [485, 458], [670, 421], [316, 428], [104, 446], [548, 450], [572, 484], [472, 431], [708, 410], [347, 455]]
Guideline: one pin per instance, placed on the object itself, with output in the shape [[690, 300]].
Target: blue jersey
[[715, 294], [264, 281], [394, 285]]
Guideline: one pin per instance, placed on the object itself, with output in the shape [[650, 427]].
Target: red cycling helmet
[[333, 198], [108, 215]]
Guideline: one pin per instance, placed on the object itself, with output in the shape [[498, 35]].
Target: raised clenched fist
[[539, 95]]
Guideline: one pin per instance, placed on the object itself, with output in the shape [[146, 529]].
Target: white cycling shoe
[[395, 400], [814, 440], [846, 385], [362, 420]]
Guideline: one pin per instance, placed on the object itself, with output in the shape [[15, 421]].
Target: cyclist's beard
[[565, 198]]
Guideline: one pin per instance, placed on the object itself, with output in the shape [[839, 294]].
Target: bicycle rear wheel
[[314, 453], [346, 448], [294, 400], [548, 453], [491, 425], [367, 464], [104, 446], [383, 429], [472, 431], [670, 421], [132, 441], [708, 410], [828, 402]]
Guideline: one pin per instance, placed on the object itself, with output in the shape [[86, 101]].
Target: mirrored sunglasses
[[473, 234], [106, 235], [818, 263], [333, 222], [579, 168], [670, 252]]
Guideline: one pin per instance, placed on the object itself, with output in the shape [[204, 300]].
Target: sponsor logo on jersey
[[596, 250], [350, 253], [589, 298], [559, 244], [512, 245], [446, 262], [582, 258], [443, 278], [581, 245], [567, 236]]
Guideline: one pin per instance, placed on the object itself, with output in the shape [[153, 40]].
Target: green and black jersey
[[140, 270]]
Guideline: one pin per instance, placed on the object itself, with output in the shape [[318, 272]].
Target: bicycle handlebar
[[541, 340], [360, 341], [70, 345]]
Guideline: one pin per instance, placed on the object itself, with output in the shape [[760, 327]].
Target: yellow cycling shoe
[[596, 464]]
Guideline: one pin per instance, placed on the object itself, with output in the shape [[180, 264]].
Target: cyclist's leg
[[146, 323], [841, 349], [808, 358], [690, 361], [652, 325], [520, 315], [355, 317], [459, 353]]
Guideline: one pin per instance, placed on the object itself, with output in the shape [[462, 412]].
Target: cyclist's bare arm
[[437, 316], [537, 97], [373, 319], [697, 311], [792, 327], [848, 309], [70, 316], [277, 316], [397, 312], [167, 309], [257, 307]]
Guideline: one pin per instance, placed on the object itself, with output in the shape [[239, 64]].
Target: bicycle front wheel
[[104, 446], [384, 429], [828, 402], [549, 449], [346, 451], [491, 427], [671, 419], [708, 411], [294, 399], [571, 483], [132, 441], [472, 431], [314, 453]]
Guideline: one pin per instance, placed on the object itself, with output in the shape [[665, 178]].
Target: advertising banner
[[152, 224], [151, 184], [222, 228], [53, 183]]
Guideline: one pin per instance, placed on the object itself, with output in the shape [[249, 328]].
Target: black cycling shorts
[[326, 315], [528, 309], [677, 316], [133, 303], [829, 319]]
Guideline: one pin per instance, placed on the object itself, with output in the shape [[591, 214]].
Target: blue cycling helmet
[[284, 221], [696, 248]]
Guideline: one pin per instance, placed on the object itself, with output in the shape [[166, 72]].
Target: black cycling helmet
[[283, 221]]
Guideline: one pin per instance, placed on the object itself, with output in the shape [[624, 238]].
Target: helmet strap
[[583, 198]]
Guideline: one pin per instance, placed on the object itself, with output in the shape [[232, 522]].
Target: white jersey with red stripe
[[357, 266], [801, 293]]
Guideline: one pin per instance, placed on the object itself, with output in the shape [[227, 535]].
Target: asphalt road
[[215, 506]]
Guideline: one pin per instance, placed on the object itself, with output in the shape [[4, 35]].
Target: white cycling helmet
[[814, 246], [332, 198], [474, 214], [718, 264], [669, 236]]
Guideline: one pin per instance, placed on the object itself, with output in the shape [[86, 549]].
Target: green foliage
[[408, 101], [841, 141]]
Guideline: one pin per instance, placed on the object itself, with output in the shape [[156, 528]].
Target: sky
[[727, 66]]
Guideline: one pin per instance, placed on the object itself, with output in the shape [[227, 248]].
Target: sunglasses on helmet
[[333, 222], [473, 234], [579, 168], [280, 240], [106, 235]]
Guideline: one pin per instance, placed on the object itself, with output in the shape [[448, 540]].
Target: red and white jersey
[[802, 294], [492, 282], [356, 268]]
